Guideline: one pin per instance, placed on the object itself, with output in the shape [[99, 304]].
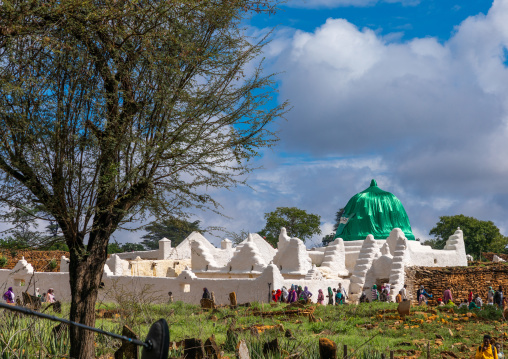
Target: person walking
[[490, 296], [478, 301], [320, 297], [498, 297], [305, 295], [330, 296], [285, 294], [486, 350], [375, 293], [339, 298], [50, 296], [422, 295], [9, 296], [343, 291], [447, 296], [404, 293], [398, 297], [206, 294]]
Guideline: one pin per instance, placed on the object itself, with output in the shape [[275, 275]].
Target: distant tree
[[479, 236], [24, 232], [133, 247], [330, 237], [173, 229], [297, 222], [114, 247], [238, 237], [435, 243]]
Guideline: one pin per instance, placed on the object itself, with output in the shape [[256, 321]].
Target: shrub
[[52, 264], [3, 261]]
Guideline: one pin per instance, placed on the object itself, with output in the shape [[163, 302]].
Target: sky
[[411, 93]]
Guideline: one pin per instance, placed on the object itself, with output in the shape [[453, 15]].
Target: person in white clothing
[[403, 293], [343, 291]]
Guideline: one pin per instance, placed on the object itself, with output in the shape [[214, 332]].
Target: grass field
[[368, 330]]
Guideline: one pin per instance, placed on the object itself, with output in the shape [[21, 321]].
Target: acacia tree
[[113, 109], [172, 228], [297, 222]]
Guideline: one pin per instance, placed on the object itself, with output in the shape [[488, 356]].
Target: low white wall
[[155, 289]]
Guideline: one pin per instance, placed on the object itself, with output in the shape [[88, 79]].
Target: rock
[[440, 337], [327, 349], [288, 334], [271, 346], [128, 350], [232, 299], [207, 303], [242, 351], [193, 349], [404, 308], [212, 351]]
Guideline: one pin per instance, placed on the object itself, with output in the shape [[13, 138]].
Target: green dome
[[375, 212]]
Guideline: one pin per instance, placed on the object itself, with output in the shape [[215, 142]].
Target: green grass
[[368, 330]]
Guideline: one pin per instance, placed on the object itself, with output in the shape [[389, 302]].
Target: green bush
[[3, 261], [52, 264]]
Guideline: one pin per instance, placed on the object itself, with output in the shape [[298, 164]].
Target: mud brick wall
[[461, 279], [38, 259]]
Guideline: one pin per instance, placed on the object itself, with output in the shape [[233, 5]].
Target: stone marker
[[272, 346], [404, 308], [193, 349], [327, 349], [207, 303], [232, 299], [242, 351], [212, 351], [127, 350]]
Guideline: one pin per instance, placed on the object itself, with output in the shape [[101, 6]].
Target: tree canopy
[[297, 222], [479, 236], [114, 110], [171, 228]]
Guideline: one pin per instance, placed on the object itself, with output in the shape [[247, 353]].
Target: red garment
[[470, 297], [277, 295]]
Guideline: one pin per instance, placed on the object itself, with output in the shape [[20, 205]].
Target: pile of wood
[[461, 280], [490, 256], [38, 259]]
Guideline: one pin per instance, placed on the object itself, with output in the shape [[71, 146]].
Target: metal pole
[[57, 319]]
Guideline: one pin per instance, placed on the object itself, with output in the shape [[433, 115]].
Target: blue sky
[[426, 18], [411, 93]]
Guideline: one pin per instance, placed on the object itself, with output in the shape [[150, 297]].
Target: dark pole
[[56, 319], [269, 292]]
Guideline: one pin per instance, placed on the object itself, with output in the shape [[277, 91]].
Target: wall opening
[[185, 287], [19, 282], [435, 260]]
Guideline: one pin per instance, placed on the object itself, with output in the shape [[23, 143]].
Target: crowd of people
[[296, 293], [49, 296], [337, 296]]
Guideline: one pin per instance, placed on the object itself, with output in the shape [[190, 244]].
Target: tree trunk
[[85, 272]]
